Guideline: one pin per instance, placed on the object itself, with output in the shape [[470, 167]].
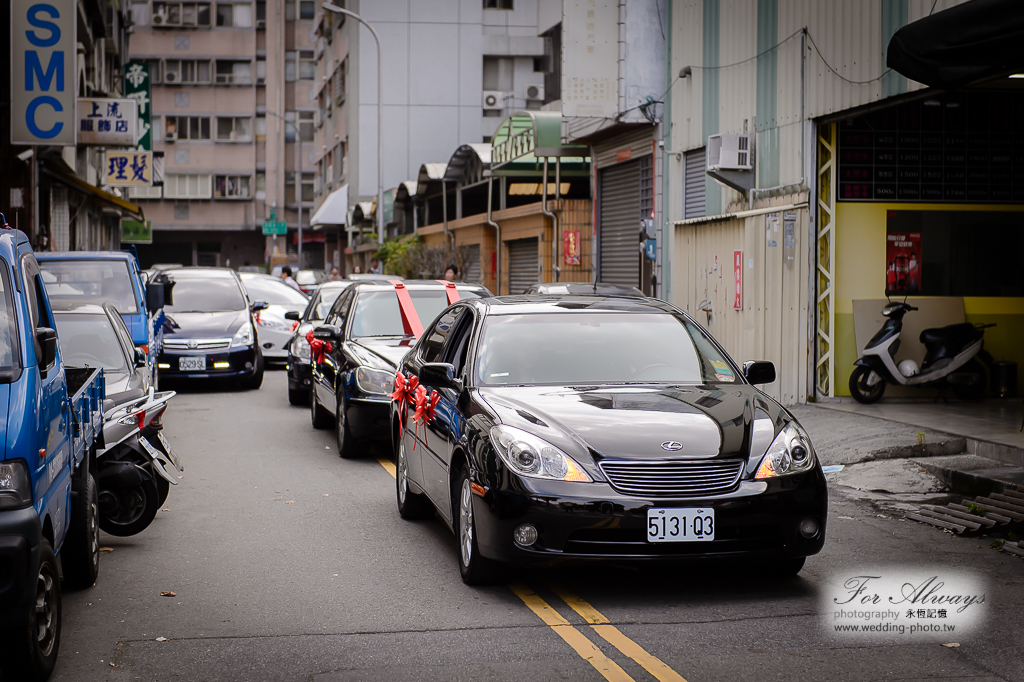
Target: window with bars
[[188, 186], [234, 129], [178, 14], [231, 187], [646, 186], [188, 127], [186, 71], [232, 72], [338, 83], [238, 15]]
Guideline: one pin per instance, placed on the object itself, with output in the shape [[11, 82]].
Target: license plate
[[157, 460], [191, 364], [170, 453], [680, 525]]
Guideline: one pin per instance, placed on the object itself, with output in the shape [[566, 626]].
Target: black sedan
[[547, 428], [210, 332], [367, 332]]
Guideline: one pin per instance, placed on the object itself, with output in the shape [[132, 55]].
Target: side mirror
[[759, 371], [47, 340], [140, 357], [154, 297], [259, 305], [327, 332], [293, 315], [439, 375]]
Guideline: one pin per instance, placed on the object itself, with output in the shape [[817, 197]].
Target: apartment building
[[452, 71], [225, 76]]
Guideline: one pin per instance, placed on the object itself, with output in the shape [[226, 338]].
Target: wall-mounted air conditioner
[[729, 151], [261, 24], [170, 136], [159, 19], [535, 92], [493, 100], [172, 77]]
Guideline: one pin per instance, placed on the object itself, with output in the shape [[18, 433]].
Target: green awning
[[524, 139]]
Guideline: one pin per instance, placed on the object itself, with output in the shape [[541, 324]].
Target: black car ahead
[[585, 427], [368, 337], [210, 332], [320, 301]]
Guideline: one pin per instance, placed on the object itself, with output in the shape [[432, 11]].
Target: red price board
[[737, 280]]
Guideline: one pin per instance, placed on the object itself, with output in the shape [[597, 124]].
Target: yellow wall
[[860, 274]]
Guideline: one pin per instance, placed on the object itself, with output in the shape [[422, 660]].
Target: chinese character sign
[[108, 122], [737, 280], [571, 247], [137, 87], [128, 169]]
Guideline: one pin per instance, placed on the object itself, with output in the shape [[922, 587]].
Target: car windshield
[[8, 330], [598, 348], [89, 341], [377, 312], [273, 292], [89, 281], [212, 295], [325, 300]]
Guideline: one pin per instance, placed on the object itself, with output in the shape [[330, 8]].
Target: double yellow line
[[587, 650]]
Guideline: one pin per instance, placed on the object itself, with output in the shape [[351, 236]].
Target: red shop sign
[[737, 280]]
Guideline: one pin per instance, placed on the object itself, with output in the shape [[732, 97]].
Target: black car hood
[[384, 352], [203, 325], [633, 422]]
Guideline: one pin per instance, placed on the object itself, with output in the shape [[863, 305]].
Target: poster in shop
[[902, 263], [571, 247], [137, 87]]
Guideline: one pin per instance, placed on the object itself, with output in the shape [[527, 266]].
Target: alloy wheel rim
[[46, 611], [466, 522], [403, 473]]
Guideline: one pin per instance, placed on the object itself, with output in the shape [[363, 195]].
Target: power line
[[829, 66]]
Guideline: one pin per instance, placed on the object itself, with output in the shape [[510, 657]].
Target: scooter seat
[[954, 334]]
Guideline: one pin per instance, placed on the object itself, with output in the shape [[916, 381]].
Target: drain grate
[[999, 511]]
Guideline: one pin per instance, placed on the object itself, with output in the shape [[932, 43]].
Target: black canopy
[[962, 45]]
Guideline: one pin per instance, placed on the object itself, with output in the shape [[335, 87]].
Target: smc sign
[[43, 74]]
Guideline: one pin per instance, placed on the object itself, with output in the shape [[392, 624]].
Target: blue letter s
[[53, 28]]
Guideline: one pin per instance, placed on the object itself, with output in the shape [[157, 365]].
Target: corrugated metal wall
[[637, 141]]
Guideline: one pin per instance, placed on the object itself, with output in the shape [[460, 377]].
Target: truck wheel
[[859, 388], [130, 510], [80, 555], [29, 650]]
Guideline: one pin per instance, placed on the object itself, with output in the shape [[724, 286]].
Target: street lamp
[[380, 96], [298, 180]]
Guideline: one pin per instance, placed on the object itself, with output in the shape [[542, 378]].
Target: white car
[[274, 330]]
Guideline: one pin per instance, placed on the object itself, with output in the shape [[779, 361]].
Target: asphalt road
[[288, 563]]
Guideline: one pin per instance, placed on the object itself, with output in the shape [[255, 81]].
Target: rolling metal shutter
[[693, 187], [620, 224], [471, 263], [522, 265]]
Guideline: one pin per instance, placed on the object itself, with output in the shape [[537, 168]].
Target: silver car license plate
[[192, 364], [680, 525], [170, 453]]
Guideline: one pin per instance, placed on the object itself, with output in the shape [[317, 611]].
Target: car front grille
[[196, 344], [672, 478]]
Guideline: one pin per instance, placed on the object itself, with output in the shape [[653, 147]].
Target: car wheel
[[348, 446], [28, 651], [785, 568], [80, 555], [475, 569], [256, 380], [297, 397], [861, 391], [129, 511], [411, 506], [320, 418]]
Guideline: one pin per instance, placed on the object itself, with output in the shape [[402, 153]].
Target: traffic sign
[[275, 227]]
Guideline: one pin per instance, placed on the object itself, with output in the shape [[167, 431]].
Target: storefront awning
[[524, 139], [76, 183], [334, 210], [962, 45]]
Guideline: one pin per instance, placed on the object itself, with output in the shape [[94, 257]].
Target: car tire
[[298, 397], [136, 511], [859, 388], [411, 507], [474, 568], [318, 416], [253, 382], [28, 650], [348, 446], [80, 555]]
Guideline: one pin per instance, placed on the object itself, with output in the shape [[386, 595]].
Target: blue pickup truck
[[50, 419], [113, 277]]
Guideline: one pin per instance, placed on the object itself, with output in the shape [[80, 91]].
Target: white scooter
[[949, 359]]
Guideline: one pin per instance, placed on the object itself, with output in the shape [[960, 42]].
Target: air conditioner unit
[[261, 24], [729, 151], [535, 92], [172, 77], [159, 19], [170, 136], [493, 100]]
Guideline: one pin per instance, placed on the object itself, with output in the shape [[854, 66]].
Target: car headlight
[[789, 453], [300, 349], [376, 381], [528, 455], [243, 337], [274, 324], [15, 485]]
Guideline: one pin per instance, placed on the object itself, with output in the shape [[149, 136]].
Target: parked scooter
[[133, 476], [949, 359]]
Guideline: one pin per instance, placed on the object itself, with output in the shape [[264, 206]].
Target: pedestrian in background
[[335, 275], [375, 267], [451, 273], [286, 275]]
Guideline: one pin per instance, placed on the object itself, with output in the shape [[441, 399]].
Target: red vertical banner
[[902, 263], [737, 280], [571, 247]]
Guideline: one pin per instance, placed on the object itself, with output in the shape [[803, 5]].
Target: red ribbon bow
[[424, 414], [317, 347], [404, 394]]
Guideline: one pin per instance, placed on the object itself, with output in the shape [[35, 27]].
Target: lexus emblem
[[671, 445], [192, 343]]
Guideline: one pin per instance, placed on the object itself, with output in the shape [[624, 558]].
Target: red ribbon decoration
[[317, 347], [425, 405], [404, 395]]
